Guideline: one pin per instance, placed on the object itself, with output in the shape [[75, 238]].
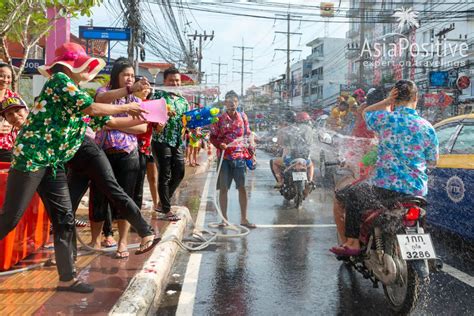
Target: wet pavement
[[33, 292], [284, 266]]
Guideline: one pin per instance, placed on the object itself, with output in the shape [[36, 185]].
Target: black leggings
[[91, 163], [170, 163], [359, 198], [124, 167], [138, 196], [53, 190]]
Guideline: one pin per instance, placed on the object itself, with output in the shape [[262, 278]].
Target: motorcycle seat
[[418, 200]]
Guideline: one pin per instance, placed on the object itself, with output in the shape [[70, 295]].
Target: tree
[[25, 22]]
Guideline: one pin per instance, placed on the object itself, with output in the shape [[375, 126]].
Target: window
[[465, 141], [445, 133]]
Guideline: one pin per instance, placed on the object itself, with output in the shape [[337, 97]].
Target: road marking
[[188, 290], [297, 225], [461, 276]]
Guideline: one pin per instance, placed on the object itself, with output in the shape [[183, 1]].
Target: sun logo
[[406, 18]]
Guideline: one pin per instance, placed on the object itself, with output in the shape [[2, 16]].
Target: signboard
[[104, 33], [31, 65], [107, 69], [347, 88], [437, 99], [443, 79], [439, 79], [430, 99]]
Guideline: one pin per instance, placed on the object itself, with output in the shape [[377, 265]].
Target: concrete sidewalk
[[122, 286]]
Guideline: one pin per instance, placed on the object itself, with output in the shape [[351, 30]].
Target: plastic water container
[[31, 232]]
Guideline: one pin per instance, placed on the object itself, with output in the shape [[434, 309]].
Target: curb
[[142, 296]]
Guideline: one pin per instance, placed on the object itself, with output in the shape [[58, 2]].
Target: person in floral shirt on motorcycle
[[407, 146], [230, 135]]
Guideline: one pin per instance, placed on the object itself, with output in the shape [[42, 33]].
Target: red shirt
[[7, 140], [144, 140], [230, 130], [360, 128]]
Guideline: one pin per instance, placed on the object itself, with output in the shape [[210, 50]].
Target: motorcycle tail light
[[412, 214]]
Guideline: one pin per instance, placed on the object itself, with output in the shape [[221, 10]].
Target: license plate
[[299, 176], [416, 247]]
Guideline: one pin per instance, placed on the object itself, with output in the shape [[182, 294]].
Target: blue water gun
[[200, 117]]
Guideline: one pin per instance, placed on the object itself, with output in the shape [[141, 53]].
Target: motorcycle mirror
[[274, 139]]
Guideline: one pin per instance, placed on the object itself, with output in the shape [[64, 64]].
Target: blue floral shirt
[[407, 142]]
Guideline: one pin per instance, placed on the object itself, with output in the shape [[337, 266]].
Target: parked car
[[451, 183]]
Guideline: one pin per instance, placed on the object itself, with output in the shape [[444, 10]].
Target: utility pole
[[219, 64], [288, 51], [199, 50], [442, 36], [242, 61], [361, 41]]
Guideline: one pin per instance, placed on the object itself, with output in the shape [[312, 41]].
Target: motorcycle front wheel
[[404, 293]]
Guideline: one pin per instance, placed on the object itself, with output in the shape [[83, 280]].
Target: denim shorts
[[231, 170]]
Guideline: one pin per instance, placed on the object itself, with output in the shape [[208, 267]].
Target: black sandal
[[77, 287], [149, 247]]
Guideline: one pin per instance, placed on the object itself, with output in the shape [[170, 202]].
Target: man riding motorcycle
[[296, 140]]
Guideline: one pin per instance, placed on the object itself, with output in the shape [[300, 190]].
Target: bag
[[251, 163]]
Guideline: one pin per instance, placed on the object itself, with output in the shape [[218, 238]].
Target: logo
[[455, 189], [406, 18]]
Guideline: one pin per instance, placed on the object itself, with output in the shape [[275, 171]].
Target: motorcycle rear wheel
[[403, 295]]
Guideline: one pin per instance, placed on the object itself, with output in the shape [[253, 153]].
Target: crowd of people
[[70, 141]]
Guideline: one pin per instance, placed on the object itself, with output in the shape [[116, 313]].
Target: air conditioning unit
[[36, 52]]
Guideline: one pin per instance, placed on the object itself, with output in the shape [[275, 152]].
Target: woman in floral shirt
[[407, 146], [51, 135]]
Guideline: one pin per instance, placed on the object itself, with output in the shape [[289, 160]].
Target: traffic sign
[[104, 33], [463, 82]]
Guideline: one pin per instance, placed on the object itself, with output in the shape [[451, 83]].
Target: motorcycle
[[396, 251], [295, 180]]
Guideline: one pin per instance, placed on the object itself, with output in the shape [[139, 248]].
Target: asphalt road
[[284, 267]]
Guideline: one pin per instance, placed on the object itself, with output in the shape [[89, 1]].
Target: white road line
[[297, 225], [461, 276], [188, 291]]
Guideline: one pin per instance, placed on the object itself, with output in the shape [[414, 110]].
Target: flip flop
[[77, 287], [345, 251], [169, 217], [151, 244], [108, 243], [249, 225], [122, 254], [222, 225]]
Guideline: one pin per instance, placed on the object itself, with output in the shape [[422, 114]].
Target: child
[[195, 137]]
